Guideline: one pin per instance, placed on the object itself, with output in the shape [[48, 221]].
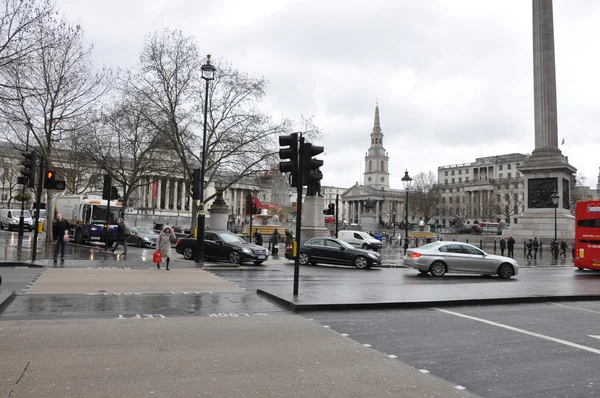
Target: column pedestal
[[219, 214], [313, 221]]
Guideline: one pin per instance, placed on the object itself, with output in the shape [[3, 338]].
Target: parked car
[[360, 239], [437, 258], [223, 245], [336, 251], [9, 218], [142, 237]]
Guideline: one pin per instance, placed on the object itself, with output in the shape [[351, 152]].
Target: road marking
[[367, 345], [392, 356], [234, 314], [514, 329], [345, 334], [460, 387], [145, 316], [423, 371], [594, 336], [576, 308]]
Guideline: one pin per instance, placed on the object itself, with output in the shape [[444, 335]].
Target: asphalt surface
[[531, 350]]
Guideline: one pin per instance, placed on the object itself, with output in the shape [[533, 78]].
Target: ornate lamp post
[[555, 197], [208, 74], [406, 180]]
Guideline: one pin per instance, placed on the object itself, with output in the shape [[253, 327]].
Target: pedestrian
[[258, 239], [163, 245], [274, 242], [502, 246], [563, 247], [510, 244], [121, 236], [529, 247], [536, 245], [554, 248], [60, 231]]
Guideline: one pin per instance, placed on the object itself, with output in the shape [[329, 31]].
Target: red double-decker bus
[[587, 234]]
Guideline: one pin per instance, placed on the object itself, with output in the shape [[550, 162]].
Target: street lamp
[[555, 196], [208, 74], [406, 180]]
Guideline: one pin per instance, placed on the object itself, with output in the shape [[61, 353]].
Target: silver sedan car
[[437, 258]]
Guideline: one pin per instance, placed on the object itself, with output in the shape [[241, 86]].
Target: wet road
[[528, 350]]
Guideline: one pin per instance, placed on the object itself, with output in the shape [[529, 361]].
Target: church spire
[[377, 124]]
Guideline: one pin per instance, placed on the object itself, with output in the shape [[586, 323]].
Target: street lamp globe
[[555, 196], [208, 70], [406, 180]]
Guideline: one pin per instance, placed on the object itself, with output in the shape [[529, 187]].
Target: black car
[[335, 251], [223, 245]]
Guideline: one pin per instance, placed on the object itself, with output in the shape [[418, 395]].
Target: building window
[[500, 167], [370, 167], [446, 173], [467, 179], [446, 181], [449, 201], [382, 166], [508, 175], [459, 172], [452, 172], [509, 166], [459, 179], [453, 181]]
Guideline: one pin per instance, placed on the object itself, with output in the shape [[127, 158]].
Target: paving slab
[[114, 280], [271, 356]]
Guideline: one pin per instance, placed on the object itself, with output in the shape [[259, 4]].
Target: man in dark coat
[[121, 236], [59, 228], [258, 239], [536, 245], [510, 244], [502, 246]]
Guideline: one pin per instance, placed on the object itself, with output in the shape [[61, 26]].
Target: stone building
[[484, 190], [389, 203]]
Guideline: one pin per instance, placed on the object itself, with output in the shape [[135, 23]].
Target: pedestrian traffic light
[[28, 171], [114, 193], [196, 184], [290, 153], [310, 167], [50, 181]]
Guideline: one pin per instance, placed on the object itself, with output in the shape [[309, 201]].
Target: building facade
[[488, 189]]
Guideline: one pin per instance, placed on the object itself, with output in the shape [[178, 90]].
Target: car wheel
[[79, 237], [140, 242], [438, 269], [580, 269], [188, 253], [424, 272], [505, 271], [365, 246], [303, 258], [361, 262], [234, 257], [258, 263]]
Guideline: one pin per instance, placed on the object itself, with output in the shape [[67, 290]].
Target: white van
[[360, 239], [9, 218]]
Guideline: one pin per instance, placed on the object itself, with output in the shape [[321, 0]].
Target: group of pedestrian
[[507, 244]]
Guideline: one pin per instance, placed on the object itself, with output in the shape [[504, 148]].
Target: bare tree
[[10, 169], [125, 144], [579, 191], [507, 202], [53, 90], [240, 139], [424, 196]]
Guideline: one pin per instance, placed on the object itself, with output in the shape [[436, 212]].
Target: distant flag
[[563, 142]]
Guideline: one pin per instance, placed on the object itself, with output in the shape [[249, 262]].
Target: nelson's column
[[546, 170]]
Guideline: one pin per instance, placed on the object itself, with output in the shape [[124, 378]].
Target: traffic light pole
[[299, 187], [337, 199], [38, 199], [107, 219]]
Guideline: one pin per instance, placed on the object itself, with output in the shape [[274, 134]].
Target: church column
[[377, 210], [176, 194], [158, 194], [360, 204]]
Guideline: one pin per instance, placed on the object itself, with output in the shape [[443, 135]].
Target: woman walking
[[163, 245]]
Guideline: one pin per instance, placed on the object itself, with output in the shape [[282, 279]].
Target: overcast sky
[[453, 79]]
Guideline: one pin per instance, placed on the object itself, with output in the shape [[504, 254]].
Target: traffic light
[[249, 204], [114, 193], [196, 185], [30, 164], [310, 167], [106, 187], [50, 181], [290, 153]]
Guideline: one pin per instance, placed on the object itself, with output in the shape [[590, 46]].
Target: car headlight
[[247, 251], [146, 239], [14, 222], [374, 256]]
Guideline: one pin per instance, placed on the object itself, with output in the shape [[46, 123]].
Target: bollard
[[467, 241], [453, 240], [481, 244], [494, 245], [525, 245]]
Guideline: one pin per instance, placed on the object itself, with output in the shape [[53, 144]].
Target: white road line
[[460, 387], [367, 345], [541, 336], [423, 371], [576, 308], [345, 334], [392, 356]]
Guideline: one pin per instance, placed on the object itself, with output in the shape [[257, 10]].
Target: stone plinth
[[219, 214], [313, 220], [368, 222]]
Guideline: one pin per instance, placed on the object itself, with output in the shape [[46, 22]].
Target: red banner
[[154, 190]]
